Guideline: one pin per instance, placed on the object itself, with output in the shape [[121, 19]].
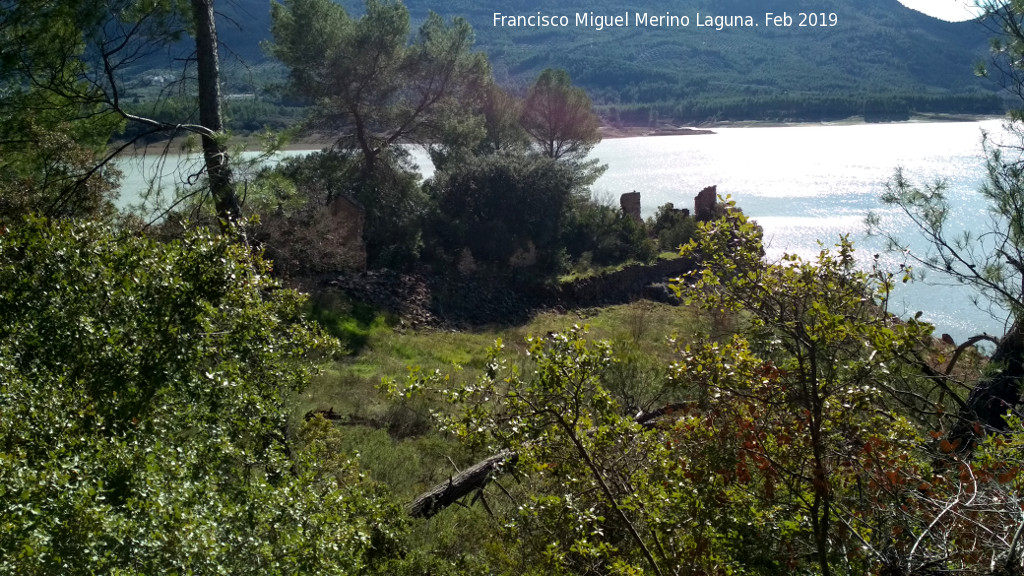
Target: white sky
[[952, 10]]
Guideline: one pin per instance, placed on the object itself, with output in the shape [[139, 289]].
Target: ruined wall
[[631, 283], [704, 203], [630, 203]]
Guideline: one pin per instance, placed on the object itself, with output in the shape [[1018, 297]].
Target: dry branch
[[476, 477], [466, 482]]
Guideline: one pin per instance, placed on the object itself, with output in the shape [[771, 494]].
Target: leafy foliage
[[602, 235], [787, 445], [503, 205], [144, 391], [51, 141], [807, 381], [372, 88]]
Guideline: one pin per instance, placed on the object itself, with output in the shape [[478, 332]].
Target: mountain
[[878, 56]]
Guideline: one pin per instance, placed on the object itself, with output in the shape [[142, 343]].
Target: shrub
[[607, 234], [144, 389], [673, 228], [507, 209]]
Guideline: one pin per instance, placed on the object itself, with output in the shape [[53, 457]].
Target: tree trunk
[[995, 393], [472, 479], [480, 474], [217, 168]]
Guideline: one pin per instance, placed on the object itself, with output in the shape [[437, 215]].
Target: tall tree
[[83, 62], [372, 87], [559, 118], [991, 261], [210, 115], [503, 129]]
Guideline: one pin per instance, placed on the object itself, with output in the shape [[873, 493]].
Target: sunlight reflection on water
[[803, 184]]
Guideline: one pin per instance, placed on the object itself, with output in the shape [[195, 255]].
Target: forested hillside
[[880, 58]]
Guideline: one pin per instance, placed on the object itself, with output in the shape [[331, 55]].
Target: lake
[[808, 183], [802, 184]]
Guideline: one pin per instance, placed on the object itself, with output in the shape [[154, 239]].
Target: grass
[[378, 350], [397, 441]]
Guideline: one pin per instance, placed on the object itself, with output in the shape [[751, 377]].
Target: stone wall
[[622, 286]]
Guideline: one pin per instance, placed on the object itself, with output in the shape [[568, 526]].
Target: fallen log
[[650, 419], [477, 476], [466, 482]]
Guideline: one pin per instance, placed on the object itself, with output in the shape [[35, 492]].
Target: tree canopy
[[65, 71], [52, 140], [373, 88], [559, 118]]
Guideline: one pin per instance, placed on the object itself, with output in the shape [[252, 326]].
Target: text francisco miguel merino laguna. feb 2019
[[666, 20]]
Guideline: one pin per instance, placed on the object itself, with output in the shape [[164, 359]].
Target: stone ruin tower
[[630, 203], [705, 204]]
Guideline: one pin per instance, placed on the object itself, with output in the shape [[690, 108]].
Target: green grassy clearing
[[398, 442]]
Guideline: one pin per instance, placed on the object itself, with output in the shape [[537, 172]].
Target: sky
[[952, 10]]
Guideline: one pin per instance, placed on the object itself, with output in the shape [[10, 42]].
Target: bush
[[673, 228], [144, 388], [608, 235], [507, 209], [391, 197], [305, 234]]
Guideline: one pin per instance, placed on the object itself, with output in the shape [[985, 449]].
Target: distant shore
[[320, 141], [610, 132], [709, 127], [855, 120]]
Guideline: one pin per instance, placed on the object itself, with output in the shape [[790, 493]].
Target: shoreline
[[250, 143], [935, 118], [611, 132]]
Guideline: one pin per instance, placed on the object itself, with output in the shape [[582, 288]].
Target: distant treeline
[[803, 107], [244, 114], [249, 114]]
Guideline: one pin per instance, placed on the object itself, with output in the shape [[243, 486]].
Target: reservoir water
[[803, 184]]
